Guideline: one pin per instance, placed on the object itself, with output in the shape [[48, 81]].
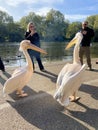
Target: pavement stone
[[40, 111]]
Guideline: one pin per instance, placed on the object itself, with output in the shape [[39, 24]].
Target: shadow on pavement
[[2, 80], [93, 70], [89, 116], [92, 90], [51, 76], [45, 113], [7, 74]]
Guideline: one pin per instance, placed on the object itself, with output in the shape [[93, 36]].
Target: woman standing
[[33, 36]]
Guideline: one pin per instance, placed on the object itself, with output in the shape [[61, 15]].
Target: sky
[[73, 10]]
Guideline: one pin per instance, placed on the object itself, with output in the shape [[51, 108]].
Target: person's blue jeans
[[38, 58]]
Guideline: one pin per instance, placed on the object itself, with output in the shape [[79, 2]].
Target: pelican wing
[[61, 75], [70, 83], [19, 70], [68, 70], [17, 81]]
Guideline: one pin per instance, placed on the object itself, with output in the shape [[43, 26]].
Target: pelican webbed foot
[[21, 93], [74, 99]]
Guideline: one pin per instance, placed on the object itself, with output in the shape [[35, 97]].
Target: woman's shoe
[[96, 62], [43, 70]]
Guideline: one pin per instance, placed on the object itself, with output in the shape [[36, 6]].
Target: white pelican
[[21, 76], [69, 79]]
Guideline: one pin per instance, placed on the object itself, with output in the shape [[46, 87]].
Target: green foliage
[[73, 28], [9, 31], [52, 27], [55, 26], [5, 18], [93, 23]]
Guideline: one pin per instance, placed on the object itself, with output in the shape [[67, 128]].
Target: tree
[[5, 18], [55, 26], [52, 27], [16, 33], [93, 23], [95, 26], [72, 29]]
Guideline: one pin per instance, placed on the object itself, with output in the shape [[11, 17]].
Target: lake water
[[11, 56]]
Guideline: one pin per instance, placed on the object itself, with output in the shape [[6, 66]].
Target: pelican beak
[[71, 43], [35, 48]]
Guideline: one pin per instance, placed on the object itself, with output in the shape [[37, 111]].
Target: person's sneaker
[[89, 68], [43, 70]]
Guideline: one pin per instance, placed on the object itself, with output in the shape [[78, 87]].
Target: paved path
[[39, 111]]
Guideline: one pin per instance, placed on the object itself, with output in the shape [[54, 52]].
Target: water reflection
[[56, 51]]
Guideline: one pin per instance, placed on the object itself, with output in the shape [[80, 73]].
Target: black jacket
[[34, 38], [87, 37]]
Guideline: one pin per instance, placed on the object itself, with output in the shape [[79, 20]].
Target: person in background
[[33, 36], [88, 34]]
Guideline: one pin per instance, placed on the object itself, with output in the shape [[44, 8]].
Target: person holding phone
[[32, 35]]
